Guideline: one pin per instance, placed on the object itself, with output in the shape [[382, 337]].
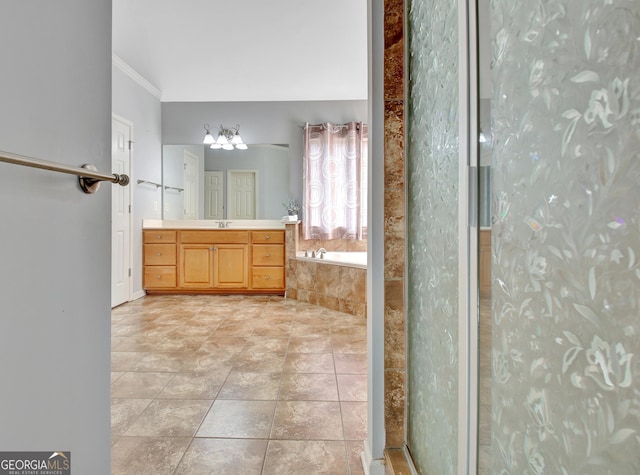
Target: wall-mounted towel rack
[[88, 176], [157, 185], [173, 188]]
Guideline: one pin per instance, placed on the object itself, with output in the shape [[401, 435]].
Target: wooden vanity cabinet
[[267, 260], [159, 259], [215, 261]]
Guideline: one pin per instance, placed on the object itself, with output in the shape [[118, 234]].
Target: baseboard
[[138, 295], [370, 465]]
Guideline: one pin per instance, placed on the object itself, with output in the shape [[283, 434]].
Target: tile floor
[[236, 385]]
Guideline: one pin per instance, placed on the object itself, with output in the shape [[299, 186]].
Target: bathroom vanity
[[201, 256]]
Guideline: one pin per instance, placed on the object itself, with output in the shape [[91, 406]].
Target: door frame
[[128, 123]]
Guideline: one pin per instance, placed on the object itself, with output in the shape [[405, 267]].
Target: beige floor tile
[[298, 457], [224, 457], [238, 419], [308, 387], [195, 385], [124, 412], [251, 386], [170, 418], [140, 385], [238, 384], [142, 455], [310, 344], [307, 420], [350, 363], [271, 362], [352, 387], [354, 453], [354, 420], [309, 363], [170, 362]]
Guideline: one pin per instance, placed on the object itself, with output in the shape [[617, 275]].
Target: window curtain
[[335, 181]]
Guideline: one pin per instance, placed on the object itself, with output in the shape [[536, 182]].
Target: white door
[[120, 214], [242, 194], [213, 189], [190, 185]]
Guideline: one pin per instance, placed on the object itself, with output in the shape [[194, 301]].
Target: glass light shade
[[241, 146], [215, 146], [227, 146], [236, 139], [208, 139], [222, 139]]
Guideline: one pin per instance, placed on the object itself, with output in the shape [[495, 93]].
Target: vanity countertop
[[212, 224]]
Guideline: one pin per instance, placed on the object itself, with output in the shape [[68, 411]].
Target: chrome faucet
[[223, 224], [321, 252]]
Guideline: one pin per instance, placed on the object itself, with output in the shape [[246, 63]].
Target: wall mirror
[[201, 183]]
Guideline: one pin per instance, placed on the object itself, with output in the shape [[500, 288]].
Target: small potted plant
[[292, 207]]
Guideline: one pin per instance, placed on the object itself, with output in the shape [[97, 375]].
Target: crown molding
[[135, 76]]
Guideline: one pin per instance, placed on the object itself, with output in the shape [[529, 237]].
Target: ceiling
[[247, 50]]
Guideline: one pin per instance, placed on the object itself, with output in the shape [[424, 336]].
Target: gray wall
[[137, 105], [260, 122], [271, 163], [55, 92]]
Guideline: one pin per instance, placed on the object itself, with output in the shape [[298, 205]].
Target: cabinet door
[[196, 266], [231, 266]]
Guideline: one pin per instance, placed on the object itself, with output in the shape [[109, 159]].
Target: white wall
[[137, 104], [55, 92]]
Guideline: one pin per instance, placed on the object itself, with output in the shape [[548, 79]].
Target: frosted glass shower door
[[438, 240], [565, 392]]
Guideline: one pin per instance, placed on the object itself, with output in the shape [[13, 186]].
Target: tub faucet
[[321, 252]]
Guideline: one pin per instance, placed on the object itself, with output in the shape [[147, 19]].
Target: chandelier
[[228, 138]]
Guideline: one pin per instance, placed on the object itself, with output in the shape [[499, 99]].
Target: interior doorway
[[121, 133], [213, 195], [242, 193]]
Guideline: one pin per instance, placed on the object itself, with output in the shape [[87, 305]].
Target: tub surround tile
[[394, 402]]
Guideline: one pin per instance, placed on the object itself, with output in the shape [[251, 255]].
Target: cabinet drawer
[[267, 237], [159, 277], [159, 254], [267, 255], [267, 277], [217, 237], [159, 236]]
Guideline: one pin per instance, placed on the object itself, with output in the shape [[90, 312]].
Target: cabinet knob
[[159, 236], [159, 254], [268, 277], [159, 277], [268, 255], [267, 237]]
